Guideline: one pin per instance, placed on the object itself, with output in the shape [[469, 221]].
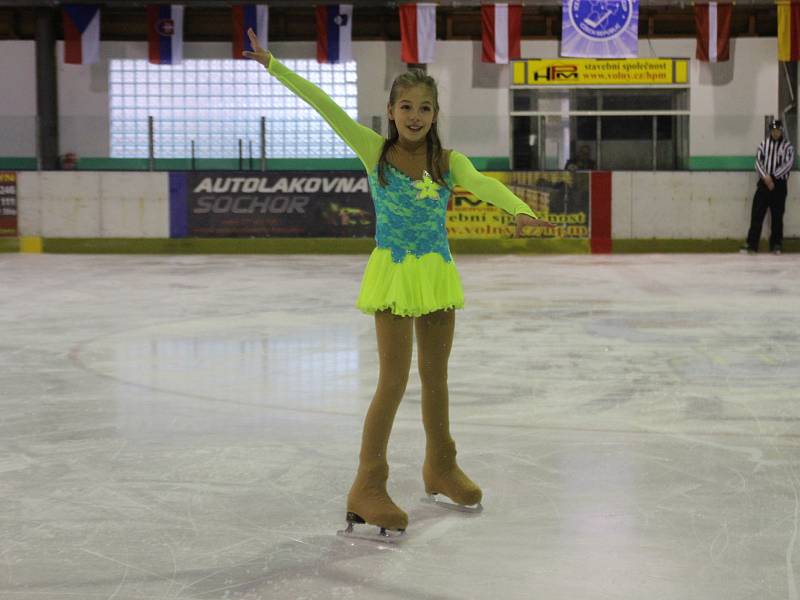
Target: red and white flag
[[502, 29], [249, 16], [165, 34], [81, 34], [713, 23], [418, 32]]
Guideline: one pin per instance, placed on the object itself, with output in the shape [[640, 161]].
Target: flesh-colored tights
[[368, 497]]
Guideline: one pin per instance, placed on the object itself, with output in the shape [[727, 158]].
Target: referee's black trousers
[[775, 201]]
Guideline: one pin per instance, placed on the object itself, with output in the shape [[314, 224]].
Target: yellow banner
[[561, 197], [580, 71]]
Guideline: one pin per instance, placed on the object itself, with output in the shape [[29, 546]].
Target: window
[[622, 129], [216, 103]]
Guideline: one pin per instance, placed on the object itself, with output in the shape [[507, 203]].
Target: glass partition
[[614, 129]]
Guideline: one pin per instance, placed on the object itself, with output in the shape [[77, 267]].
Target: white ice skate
[[387, 536]]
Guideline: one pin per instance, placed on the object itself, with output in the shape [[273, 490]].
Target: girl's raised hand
[[259, 54], [527, 221]]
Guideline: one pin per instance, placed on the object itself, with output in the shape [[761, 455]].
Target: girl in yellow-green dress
[[410, 283]]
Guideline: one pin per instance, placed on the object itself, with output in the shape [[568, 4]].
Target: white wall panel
[[94, 204], [70, 204], [135, 205], [621, 205], [29, 203], [697, 205]]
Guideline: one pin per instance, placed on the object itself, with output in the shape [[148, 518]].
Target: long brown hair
[[412, 78]]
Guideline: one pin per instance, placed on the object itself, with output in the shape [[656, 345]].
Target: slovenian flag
[[165, 34], [81, 34], [417, 32], [334, 33], [248, 16], [502, 28]]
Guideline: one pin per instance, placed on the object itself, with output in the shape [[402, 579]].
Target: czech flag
[[334, 33], [246, 16], [81, 34], [502, 29], [417, 32], [165, 34]]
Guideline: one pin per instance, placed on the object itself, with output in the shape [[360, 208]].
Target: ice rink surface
[[187, 427]]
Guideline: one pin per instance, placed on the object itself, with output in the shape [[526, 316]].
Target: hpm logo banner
[[600, 28], [594, 72]]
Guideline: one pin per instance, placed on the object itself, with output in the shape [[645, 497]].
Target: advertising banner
[[578, 72], [272, 204], [562, 197], [8, 204], [338, 204]]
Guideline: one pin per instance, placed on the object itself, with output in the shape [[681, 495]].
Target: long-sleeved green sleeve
[[364, 142], [486, 188]]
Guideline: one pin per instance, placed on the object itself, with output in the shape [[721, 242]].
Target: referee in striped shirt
[[774, 162]]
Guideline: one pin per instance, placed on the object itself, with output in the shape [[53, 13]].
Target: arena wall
[[727, 101]]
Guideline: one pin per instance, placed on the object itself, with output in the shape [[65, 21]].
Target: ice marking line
[[119, 586], [173, 578], [119, 451], [119, 562], [791, 583], [790, 578]]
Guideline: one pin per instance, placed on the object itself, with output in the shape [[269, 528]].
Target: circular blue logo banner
[[600, 28], [601, 19]]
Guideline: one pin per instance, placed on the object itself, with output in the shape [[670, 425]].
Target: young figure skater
[[410, 281]]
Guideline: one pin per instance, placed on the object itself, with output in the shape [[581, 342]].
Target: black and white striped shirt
[[775, 158]]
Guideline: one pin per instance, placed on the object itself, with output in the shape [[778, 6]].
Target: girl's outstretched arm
[[494, 192], [486, 188], [364, 142]]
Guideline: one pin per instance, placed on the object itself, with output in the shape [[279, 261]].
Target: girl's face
[[413, 113]]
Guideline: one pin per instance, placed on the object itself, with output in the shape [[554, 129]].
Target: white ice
[[187, 427]]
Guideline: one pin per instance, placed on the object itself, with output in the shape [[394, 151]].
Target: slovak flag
[[244, 17], [165, 34], [334, 33], [81, 34], [502, 28], [417, 32]]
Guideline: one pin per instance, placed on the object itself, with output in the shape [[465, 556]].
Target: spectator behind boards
[[582, 162]]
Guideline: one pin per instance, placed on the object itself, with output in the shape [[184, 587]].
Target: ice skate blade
[[382, 538], [383, 535], [434, 499]]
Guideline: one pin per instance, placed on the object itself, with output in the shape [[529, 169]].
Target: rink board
[[124, 212]]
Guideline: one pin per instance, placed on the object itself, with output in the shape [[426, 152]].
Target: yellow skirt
[[414, 287]]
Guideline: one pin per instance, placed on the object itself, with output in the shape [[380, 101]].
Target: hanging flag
[[788, 31], [246, 16], [713, 24], [417, 32], [165, 34], [592, 29], [81, 34], [334, 33], [502, 28]]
